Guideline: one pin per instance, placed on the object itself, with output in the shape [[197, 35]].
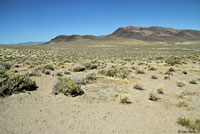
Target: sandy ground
[[98, 111]]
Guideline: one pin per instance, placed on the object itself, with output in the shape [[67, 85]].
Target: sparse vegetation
[[138, 86], [140, 71], [13, 83], [173, 61], [160, 91], [193, 81], [49, 67], [123, 98], [79, 69], [154, 77], [190, 124], [180, 83], [182, 104], [115, 72], [67, 87], [153, 96]]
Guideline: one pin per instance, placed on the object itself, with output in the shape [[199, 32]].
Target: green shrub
[[90, 66], [49, 67], [13, 83], [115, 72], [67, 87], [173, 61], [111, 72], [190, 124]]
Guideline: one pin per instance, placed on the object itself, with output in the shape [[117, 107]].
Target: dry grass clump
[[115, 72], [154, 77], [152, 68], [193, 81], [91, 76], [138, 86], [160, 90], [13, 83], [140, 71], [35, 72], [123, 98], [67, 87], [181, 104], [78, 69], [190, 124], [153, 96], [90, 66], [180, 83]]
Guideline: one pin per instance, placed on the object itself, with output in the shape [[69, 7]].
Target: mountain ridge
[[153, 33]]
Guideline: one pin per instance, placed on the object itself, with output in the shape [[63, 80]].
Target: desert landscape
[[135, 80]]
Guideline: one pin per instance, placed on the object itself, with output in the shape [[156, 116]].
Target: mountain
[[155, 33], [65, 38]]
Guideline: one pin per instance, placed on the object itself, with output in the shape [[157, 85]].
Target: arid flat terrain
[[115, 85]]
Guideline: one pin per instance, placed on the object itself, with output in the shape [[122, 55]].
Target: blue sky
[[41, 20]]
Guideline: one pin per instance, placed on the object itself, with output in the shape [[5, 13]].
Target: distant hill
[[65, 38], [155, 33]]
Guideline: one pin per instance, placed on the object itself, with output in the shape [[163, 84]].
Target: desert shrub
[[190, 124], [154, 77], [14, 83], [173, 61], [160, 91], [184, 122], [91, 76], [159, 58], [67, 72], [60, 64], [153, 96], [6, 65], [47, 72], [193, 82], [180, 83], [67, 87], [35, 73], [79, 69], [115, 72], [123, 73], [49, 67], [166, 77], [171, 70], [139, 71], [59, 74], [152, 68], [111, 72], [90, 66], [78, 80], [138, 86], [181, 104], [123, 98]]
